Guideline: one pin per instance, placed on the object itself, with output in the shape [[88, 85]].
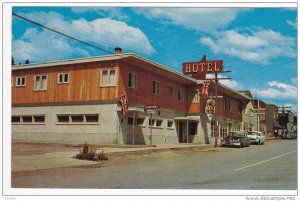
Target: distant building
[[249, 117], [271, 118], [260, 109]]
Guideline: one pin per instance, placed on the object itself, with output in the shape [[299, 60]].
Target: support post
[[216, 114], [151, 130], [133, 127]]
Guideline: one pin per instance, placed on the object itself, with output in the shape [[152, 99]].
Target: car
[[291, 135], [236, 139], [256, 137]]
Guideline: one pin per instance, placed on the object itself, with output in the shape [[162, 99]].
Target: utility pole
[[216, 79]]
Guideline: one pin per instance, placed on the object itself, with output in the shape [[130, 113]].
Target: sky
[[259, 45]]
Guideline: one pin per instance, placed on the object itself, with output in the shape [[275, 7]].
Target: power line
[[68, 36]]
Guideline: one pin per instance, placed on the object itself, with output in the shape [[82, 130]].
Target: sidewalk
[[60, 159]]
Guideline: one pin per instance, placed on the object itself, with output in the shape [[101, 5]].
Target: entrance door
[[181, 131]]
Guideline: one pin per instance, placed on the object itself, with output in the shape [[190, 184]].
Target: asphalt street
[[272, 166]]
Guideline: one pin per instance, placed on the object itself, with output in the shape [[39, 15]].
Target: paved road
[[270, 166]]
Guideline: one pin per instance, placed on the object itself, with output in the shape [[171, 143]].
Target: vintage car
[[256, 137], [236, 138]]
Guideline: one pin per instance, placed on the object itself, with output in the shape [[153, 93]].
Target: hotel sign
[[200, 69]]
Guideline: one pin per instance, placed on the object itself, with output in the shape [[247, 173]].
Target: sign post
[[151, 109], [199, 71]]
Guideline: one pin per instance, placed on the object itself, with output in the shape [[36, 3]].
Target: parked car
[[236, 138], [256, 137], [291, 135]]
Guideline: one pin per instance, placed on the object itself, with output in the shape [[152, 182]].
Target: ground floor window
[[193, 128], [223, 130], [78, 118], [138, 120], [28, 119]]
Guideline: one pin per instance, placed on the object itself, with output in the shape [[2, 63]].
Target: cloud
[[40, 46], [294, 80], [109, 12], [102, 32], [258, 47], [292, 24], [277, 90], [228, 82], [200, 19]]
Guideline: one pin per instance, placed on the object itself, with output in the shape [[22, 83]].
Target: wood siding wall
[[143, 95], [84, 85]]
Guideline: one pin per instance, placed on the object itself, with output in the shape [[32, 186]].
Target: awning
[[187, 118]]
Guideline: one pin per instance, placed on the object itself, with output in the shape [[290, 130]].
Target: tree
[[27, 61]]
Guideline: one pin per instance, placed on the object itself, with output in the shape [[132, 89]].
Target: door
[[181, 131]]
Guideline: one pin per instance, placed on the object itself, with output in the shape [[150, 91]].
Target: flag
[[123, 103], [205, 88]]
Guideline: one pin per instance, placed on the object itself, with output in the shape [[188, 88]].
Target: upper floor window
[[21, 81], [63, 78], [194, 97], [108, 77], [169, 89], [180, 94], [132, 81], [40, 82], [155, 88]]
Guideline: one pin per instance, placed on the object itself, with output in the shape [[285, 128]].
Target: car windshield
[[255, 133], [236, 134]]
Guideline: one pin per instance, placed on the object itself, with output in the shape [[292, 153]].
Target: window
[[225, 103], [151, 122], [159, 123], [40, 82], [169, 89], [193, 128], [27, 119], [212, 129], [180, 94], [63, 78], [108, 77], [132, 81], [92, 118], [77, 118], [194, 97], [170, 124], [231, 105], [21, 81], [63, 118], [39, 119], [155, 88], [140, 121], [15, 119]]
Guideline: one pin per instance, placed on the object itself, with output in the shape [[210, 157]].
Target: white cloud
[[277, 90], [259, 47], [200, 19], [40, 46], [294, 80], [292, 24], [227, 82], [110, 12], [102, 32]]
